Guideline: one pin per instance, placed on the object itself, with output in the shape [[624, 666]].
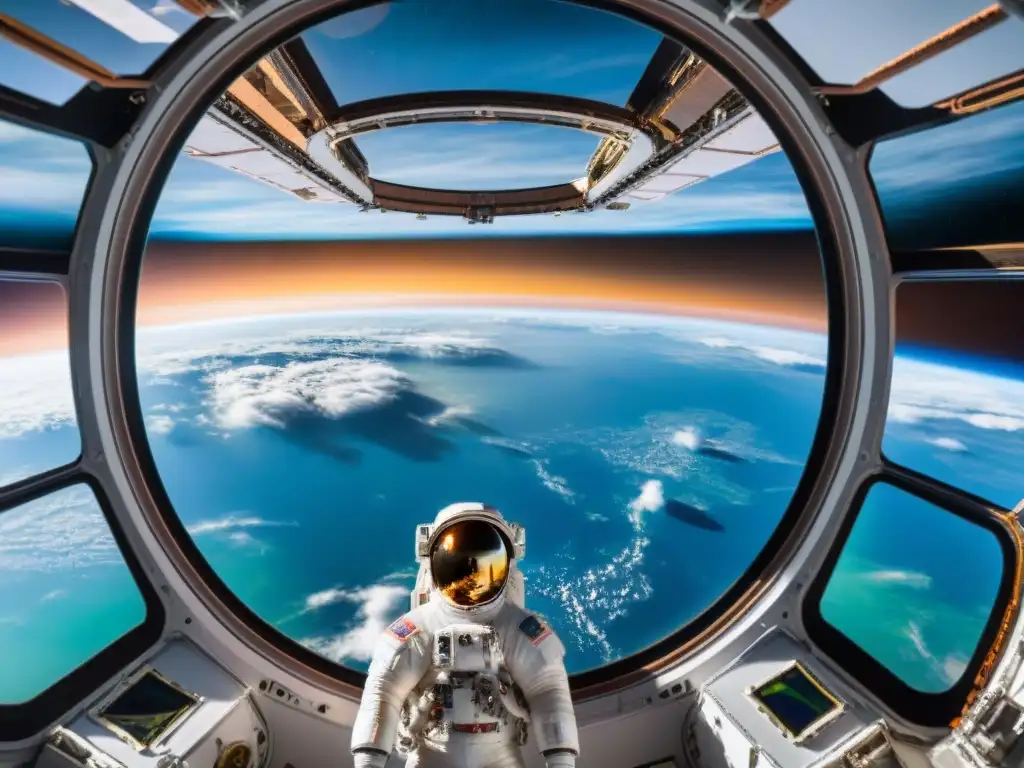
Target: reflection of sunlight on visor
[[469, 563]]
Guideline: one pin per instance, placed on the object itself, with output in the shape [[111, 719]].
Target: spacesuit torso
[[450, 686]]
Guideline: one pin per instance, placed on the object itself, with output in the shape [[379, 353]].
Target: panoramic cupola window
[[596, 302], [315, 376]]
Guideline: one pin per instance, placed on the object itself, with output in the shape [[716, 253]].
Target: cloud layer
[[255, 395], [35, 392], [923, 391], [63, 531], [376, 607]]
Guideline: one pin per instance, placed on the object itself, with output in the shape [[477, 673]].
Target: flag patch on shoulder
[[403, 629], [534, 629]]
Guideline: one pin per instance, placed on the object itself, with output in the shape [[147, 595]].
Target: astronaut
[[461, 680]]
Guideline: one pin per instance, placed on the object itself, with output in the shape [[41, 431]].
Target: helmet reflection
[[469, 563]]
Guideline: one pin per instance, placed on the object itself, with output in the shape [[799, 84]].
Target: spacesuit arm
[[537, 664], [400, 661]]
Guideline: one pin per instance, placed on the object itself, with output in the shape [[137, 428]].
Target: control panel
[[180, 709], [777, 705]]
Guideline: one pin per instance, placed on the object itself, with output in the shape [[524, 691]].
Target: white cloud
[[378, 606], [159, 424], [260, 377], [233, 523], [449, 413], [948, 444], [36, 393], [264, 394], [171, 351], [923, 392], [949, 668], [244, 539], [554, 483], [774, 355], [54, 595], [911, 579], [651, 499], [16, 474], [953, 667], [688, 438], [64, 530]]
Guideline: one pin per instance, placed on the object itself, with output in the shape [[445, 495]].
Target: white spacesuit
[[459, 680]]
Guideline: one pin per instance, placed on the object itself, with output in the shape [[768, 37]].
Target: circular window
[[535, 255]]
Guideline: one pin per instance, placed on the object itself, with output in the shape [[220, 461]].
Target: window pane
[[518, 45], [43, 179], [37, 410], [125, 36], [956, 408], [994, 53], [844, 41], [615, 395], [65, 591], [474, 157], [914, 588], [32, 74], [956, 185], [288, 440]]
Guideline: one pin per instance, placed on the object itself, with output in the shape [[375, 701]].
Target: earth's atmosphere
[[649, 457]]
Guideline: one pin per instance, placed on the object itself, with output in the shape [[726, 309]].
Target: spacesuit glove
[[560, 760], [369, 759]]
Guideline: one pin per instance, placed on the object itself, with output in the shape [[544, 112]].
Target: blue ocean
[[649, 458]]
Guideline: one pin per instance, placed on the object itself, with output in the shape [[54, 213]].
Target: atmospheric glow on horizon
[[42, 338]]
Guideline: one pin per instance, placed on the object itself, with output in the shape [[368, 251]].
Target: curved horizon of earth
[[649, 457]]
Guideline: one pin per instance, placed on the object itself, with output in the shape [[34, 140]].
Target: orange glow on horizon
[[186, 283]]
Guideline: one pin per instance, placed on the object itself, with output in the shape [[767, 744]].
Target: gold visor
[[469, 563]]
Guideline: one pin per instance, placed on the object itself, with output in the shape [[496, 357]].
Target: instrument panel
[[180, 709], [778, 705]]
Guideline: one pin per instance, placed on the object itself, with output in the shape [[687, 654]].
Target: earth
[[649, 458]]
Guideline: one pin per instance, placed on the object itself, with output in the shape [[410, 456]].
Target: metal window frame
[[926, 709], [133, 147], [21, 720], [839, 172]]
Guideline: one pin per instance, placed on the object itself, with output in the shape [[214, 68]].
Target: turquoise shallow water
[[649, 459]]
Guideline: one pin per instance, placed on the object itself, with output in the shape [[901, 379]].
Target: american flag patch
[[403, 629], [534, 629]]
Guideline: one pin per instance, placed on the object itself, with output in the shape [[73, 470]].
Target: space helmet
[[470, 553]]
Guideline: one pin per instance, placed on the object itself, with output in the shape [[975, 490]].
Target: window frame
[[926, 709], [591, 682], [24, 719]]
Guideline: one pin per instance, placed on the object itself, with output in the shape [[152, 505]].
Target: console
[[179, 709], [778, 705]]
